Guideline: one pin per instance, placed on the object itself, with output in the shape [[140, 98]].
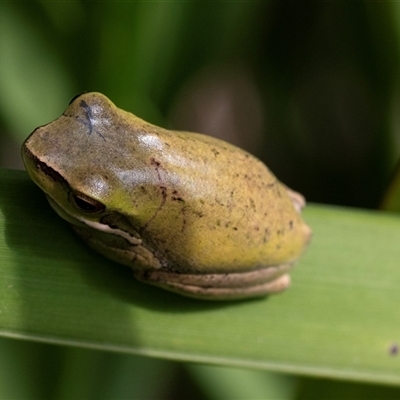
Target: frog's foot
[[298, 200], [222, 286]]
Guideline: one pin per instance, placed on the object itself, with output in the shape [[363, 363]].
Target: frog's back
[[226, 210]]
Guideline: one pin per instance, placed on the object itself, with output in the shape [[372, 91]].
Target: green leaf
[[391, 198], [340, 318], [233, 383], [34, 84]]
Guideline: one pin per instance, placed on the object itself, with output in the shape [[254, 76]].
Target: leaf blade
[[338, 320]]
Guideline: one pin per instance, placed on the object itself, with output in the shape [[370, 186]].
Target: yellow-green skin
[[185, 211]]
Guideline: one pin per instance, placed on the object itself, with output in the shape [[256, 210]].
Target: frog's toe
[[298, 200]]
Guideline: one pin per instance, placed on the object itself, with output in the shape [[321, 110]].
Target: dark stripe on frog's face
[[44, 168]]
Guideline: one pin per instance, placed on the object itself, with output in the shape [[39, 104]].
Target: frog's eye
[[87, 204]]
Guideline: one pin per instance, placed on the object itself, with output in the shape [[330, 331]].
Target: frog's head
[[83, 160]]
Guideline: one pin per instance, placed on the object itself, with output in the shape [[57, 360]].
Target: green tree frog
[[187, 212]]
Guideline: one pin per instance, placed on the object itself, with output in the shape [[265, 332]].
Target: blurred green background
[[311, 88]]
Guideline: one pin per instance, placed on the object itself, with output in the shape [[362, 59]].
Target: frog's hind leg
[[229, 286]]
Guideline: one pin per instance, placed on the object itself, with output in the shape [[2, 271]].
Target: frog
[[187, 212]]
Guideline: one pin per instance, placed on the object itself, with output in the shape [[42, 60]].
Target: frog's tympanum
[[187, 212]]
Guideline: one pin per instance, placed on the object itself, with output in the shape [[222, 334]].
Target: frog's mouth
[[102, 227]]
